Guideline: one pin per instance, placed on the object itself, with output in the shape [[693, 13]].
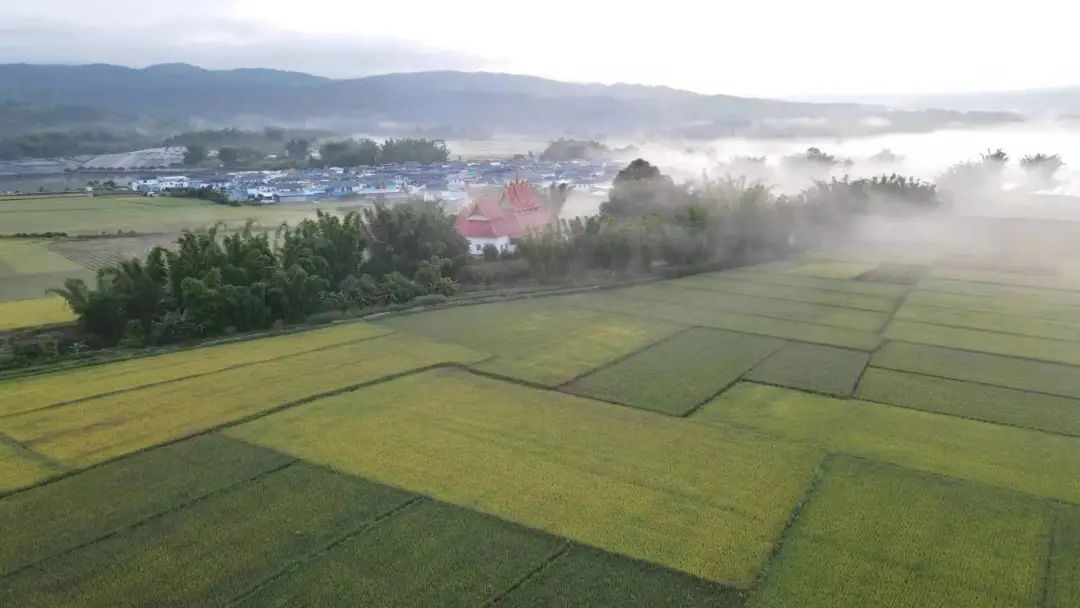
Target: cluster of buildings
[[496, 201]]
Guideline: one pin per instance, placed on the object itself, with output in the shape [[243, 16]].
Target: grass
[[20, 467], [222, 545], [1012, 293], [848, 299], [724, 303], [706, 501], [1063, 585], [1020, 459], [678, 374], [587, 577], [429, 554], [1043, 349], [31, 313], [999, 370], [876, 535], [37, 391], [540, 341], [990, 403], [92, 431], [989, 321], [50, 519], [732, 321], [822, 369]]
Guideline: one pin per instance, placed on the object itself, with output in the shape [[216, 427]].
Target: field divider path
[[155, 516], [1048, 563], [186, 377], [238, 421], [304, 559], [563, 548], [615, 361], [29, 452], [811, 489]]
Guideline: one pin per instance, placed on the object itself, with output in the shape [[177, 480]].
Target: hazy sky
[[750, 47]]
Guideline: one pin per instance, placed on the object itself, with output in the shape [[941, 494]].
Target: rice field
[[17, 314], [834, 430], [714, 500]]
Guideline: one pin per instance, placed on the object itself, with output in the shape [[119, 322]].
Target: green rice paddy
[[813, 432]]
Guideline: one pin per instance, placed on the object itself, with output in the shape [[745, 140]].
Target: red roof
[[515, 212]]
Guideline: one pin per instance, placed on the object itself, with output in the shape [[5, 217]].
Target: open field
[[714, 499], [871, 537], [678, 374], [28, 268], [35, 312], [814, 432]]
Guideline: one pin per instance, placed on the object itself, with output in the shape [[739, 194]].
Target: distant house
[[496, 219]]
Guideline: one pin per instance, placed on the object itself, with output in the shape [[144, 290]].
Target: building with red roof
[[495, 219]]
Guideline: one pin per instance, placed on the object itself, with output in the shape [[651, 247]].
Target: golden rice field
[[846, 429]]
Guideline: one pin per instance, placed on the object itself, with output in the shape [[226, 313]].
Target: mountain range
[[446, 104]]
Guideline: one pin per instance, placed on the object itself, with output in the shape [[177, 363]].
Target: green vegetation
[[612, 302], [830, 270], [537, 341], [33, 312], [993, 404], [429, 554], [818, 314], [42, 390], [587, 577], [1042, 349], [109, 499], [209, 285], [575, 149], [1038, 308], [678, 374], [985, 368], [1063, 586], [224, 544], [876, 535], [735, 284], [776, 274], [988, 321], [91, 431], [822, 369], [714, 500], [21, 467], [1020, 459], [352, 152]]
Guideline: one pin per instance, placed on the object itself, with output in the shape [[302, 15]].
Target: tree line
[[216, 282], [649, 219]]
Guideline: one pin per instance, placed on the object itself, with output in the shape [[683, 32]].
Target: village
[[496, 201]]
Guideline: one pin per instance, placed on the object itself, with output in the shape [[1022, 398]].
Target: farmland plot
[[541, 341], [822, 369], [1041, 349], [31, 313], [759, 274], [877, 535], [723, 303], [829, 269], [1063, 585], [47, 520], [677, 374], [723, 319], [42, 390], [1020, 459], [20, 467], [1011, 372], [706, 501], [811, 295], [88, 432], [1038, 411], [1014, 324], [223, 545]]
